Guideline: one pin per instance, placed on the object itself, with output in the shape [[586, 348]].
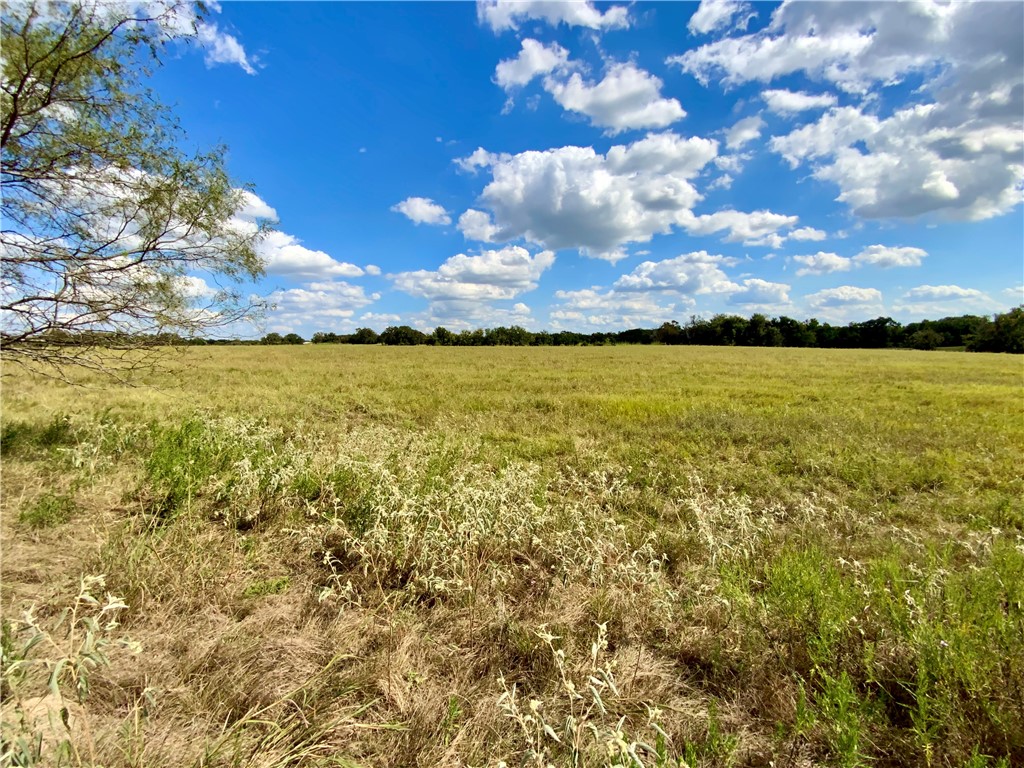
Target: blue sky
[[606, 166]]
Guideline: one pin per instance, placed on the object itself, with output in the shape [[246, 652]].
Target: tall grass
[[720, 558]]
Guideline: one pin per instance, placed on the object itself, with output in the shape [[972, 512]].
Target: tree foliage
[[1004, 333], [112, 234]]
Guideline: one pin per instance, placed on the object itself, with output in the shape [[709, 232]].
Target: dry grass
[[621, 556]]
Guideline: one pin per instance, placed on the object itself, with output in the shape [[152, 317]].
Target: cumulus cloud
[[851, 47], [756, 228], [954, 155], [463, 314], [822, 263], [492, 275], [732, 163], [253, 208], [592, 309], [534, 59], [477, 225], [722, 182], [845, 296], [715, 15], [378, 320], [480, 158], [933, 301], [757, 294], [284, 254], [807, 233], [874, 255], [942, 293], [784, 102], [574, 197], [626, 98], [746, 130], [468, 292], [1016, 293], [884, 256], [318, 305], [502, 15], [422, 210], [690, 274]]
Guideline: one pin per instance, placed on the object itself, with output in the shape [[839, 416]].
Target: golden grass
[[364, 556]]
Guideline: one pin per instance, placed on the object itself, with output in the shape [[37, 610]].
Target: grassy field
[[606, 556]]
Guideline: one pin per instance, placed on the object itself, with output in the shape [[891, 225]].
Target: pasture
[[595, 556]]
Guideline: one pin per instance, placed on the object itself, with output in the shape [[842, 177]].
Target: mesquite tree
[[113, 237]]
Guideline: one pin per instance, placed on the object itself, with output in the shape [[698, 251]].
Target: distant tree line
[[975, 333], [1003, 333]]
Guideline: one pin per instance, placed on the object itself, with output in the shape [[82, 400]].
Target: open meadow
[[594, 556]]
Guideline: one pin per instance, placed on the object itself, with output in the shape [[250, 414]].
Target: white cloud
[[837, 128], [845, 296], [195, 287], [875, 255], [758, 294], [807, 233], [591, 309], [955, 155], [371, 269], [690, 274], [534, 59], [322, 305], [463, 314], [822, 263], [850, 46], [480, 158], [222, 48], [477, 225], [574, 197], [1017, 293], [501, 15], [784, 102], [253, 207], [181, 20], [746, 130], [884, 256], [284, 254], [715, 15], [722, 182], [732, 163], [756, 228], [422, 210], [626, 98], [932, 301], [378, 320], [493, 275], [910, 164], [942, 293]]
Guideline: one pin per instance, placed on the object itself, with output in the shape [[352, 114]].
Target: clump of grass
[[20, 437], [579, 721], [476, 532], [264, 587], [238, 467], [48, 668], [49, 510]]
